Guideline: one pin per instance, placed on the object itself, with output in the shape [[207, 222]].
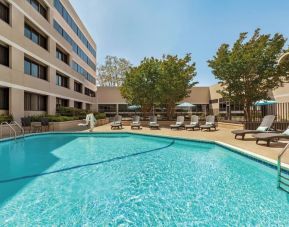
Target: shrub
[[70, 111], [99, 116], [60, 118], [55, 118], [4, 118]]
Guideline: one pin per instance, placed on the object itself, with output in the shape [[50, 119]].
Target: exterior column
[[116, 109], [71, 103], [51, 105], [16, 103]]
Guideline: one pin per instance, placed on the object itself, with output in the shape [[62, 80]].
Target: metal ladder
[[283, 182], [12, 129]]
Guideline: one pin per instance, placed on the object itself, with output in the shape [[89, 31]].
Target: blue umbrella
[[265, 102]]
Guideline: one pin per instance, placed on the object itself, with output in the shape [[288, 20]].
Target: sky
[[135, 29]]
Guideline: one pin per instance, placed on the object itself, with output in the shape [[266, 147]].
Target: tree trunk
[[170, 111], [248, 116]]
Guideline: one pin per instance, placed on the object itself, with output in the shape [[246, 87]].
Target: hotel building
[[206, 100], [47, 58]]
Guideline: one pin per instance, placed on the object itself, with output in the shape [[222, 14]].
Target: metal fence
[[280, 110]]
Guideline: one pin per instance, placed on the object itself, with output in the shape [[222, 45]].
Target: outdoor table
[[36, 126]]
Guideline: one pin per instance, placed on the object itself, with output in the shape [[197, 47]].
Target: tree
[[250, 69], [176, 81], [112, 73], [154, 82], [140, 86]]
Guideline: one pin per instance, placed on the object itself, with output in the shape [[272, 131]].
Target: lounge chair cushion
[[262, 129], [209, 123], [193, 123], [179, 123], [286, 132]]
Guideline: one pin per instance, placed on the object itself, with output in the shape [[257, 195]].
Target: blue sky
[[135, 29]]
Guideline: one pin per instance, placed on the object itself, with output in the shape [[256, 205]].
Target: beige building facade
[[47, 58], [205, 99]]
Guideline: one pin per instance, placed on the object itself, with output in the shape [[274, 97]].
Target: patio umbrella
[[186, 105], [134, 107], [265, 102]]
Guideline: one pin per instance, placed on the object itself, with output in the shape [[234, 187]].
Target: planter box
[[73, 125], [55, 126]]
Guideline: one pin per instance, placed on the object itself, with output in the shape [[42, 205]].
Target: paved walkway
[[223, 134]]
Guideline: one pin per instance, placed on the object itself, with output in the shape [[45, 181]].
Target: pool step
[[283, 182]]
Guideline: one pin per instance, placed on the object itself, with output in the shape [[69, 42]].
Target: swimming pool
[[128, 179]]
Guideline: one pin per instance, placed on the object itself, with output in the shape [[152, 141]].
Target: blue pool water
[[134, 180]]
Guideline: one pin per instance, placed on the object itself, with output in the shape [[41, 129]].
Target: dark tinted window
[[4, 12], [83, 72], [4, 55], [61, 55], [89, 92], [88, 106], [61, 102], [103, 108], [75, 47], [32, 68], [77, 105], [4, 98], [62, 81], [35, 102], [77, 87], [35, 36], [63, 12], [38, 7]]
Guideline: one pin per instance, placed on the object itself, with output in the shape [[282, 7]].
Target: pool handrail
[[279, 169]]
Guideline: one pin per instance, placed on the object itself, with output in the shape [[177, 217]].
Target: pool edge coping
[[251, 155]]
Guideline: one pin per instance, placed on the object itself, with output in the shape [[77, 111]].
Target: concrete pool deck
[[223, 134]]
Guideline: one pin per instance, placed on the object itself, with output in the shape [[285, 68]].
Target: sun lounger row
[[180, 123], [264, 132], [195, 124]]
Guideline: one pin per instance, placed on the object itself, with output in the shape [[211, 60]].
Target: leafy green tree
[[154, 82], [140, 86], [176, 81], [249, 69], [113, 71]]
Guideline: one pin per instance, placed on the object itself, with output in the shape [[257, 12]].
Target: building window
[[38, 7], [4, 12], [35, 36], [89, 92], [63, 12], [62, 102], [77, 105], [34, 69], [4, 98], [77, 68], [62, 81], [74, 46], [77, 87], [35, 102], [106, 108], [61, 56], [88, 106], [212, 101], [4, 55]]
